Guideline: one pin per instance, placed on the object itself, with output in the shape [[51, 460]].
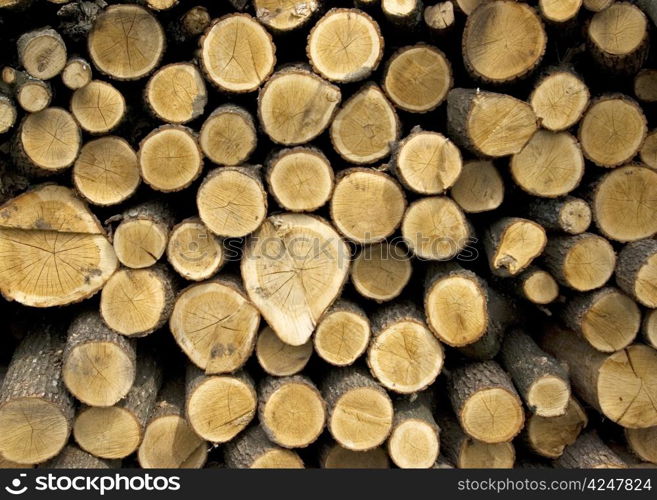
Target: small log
[[98, 107], [623, 203], [252, 450], [365, 127], [559, 99], [403, 355], [643, 443], [550, 165], [440, 18], [169, 442], [219, 407], [367, 206], [489, 124], [8, 113], [341, 28], [479, 188], [360, 412], [309, 272], [623, 54], [99, 366], [176, 93], [121, 54], [77, 73], [608, 319], [291, 411], [495, 53], [300, 179], [228, 135], [191, 25], [589, 452], [583, 262], [512, 243], [343, 334], [619, 385], [295, 106], [403, 14], [435, 228], [486, 402], [36, 411], [468, 453], [549, 436], [170, 158], [232, 70], [636, 271], [645, 83], [283, 17], [649, 328], [278, 358], [541, 381], [42, 53], [215, 325], [116, 431], [107, 171], [567, 214], [559, 11], [381, 271], [426, 162], [232, 201], [535, 285], [34, 148], [417, 78], [612, 130], [414, 442], [193, 251], [137, 302]]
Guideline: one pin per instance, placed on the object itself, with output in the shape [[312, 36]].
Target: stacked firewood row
[[289, 233]]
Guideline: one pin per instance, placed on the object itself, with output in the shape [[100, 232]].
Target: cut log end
[[648, 151], [111, 432], [367, 206], [645, 85], [414, 444], [612, 131], [292, 412], [624, 202], [77, 73], [283, 16], [381, 271], [435, 228], [194, 252], [365, 127], [512, 244], [549, 436], [492, 415], [98, 107], [278, 358], [170, 443], [140, 243], [550, 165], [643, 443], [301, 179], [549, 396], [232, 201], [559, 100], [295, 106], [34, 95], [539, 287], [33, 430], [176, 93], [228, 136], [418, 78], [559, 11], [279, 262], [107, 171], [487, 40], [215, 346], [479, 188], [135, 303], [220, 407], [427, 162], [234, 70], [170, 158], [360, 37], [138, 50], [42, 53], [342, 334]]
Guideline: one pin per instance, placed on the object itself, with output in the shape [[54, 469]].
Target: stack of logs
[[289, 233]]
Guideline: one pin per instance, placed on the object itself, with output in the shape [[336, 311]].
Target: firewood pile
[[338, 234]]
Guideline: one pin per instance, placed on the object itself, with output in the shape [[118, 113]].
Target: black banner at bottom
[[341, 484]]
